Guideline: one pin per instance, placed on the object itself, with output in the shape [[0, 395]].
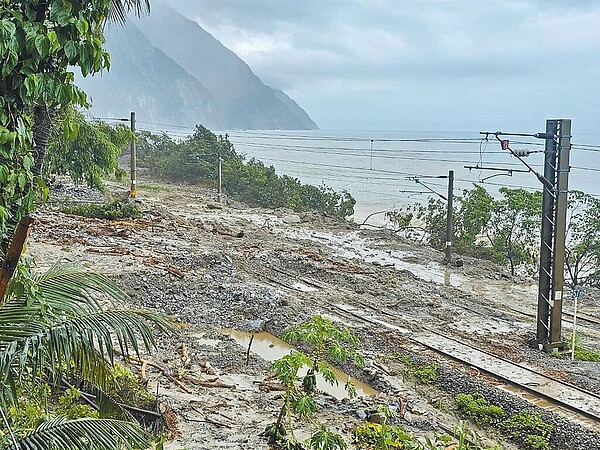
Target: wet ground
[[218, 267]]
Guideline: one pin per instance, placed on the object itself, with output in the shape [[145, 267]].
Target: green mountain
[[169, 70]]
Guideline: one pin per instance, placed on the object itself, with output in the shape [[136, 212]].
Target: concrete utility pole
[[219, 177], [133, 189], [449, 230], [554, 223]]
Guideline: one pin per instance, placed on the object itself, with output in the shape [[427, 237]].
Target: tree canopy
[[53, 328], [506, 229]]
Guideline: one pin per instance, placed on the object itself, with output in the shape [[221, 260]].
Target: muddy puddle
[[353, 246], [270, 348]]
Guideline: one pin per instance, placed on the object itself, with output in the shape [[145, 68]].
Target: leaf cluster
[[54, 331], [114, 210], [194, 159], [476, 407], [322, 339], [40, 43], [425, 373], [582, 257], [502, 229], [529, 429], [326, 339], [86, 151], [382, 436]]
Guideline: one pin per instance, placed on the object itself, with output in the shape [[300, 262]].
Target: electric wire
[[410, 154]]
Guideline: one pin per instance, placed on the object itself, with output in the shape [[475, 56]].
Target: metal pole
[[546, 249], [219, 178], [371, 154], [574, 328], [449, 230], [133, 189], [562, 191]]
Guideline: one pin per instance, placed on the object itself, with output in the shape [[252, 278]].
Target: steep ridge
[[143, 79], [243, 98], [170, 70]]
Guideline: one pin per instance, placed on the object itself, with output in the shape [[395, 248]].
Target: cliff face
[[245, 101], [170, 70], [143, 79]]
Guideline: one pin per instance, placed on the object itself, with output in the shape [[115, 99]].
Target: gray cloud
[[390, 64]]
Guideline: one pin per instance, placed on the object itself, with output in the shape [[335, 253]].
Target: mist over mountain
[[145, 80], [170, 70]]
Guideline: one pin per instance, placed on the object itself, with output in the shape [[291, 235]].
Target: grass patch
[[528, 429], [154, 187], [581, 353], [584, 354], [115, 210], [476, 407], [425, 373]]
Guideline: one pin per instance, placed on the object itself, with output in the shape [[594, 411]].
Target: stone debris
[[214, 268]]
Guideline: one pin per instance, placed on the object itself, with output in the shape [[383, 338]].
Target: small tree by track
[[506, 229]]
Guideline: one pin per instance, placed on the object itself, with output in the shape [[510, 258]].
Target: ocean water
[[379, 168]]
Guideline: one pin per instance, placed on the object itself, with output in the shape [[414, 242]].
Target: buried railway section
[[546, 392]]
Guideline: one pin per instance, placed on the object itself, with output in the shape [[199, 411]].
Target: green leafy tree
[[504, 230], [86, 151], [153, 149], [52, 332], [40, 42], [475, 213], [513, 230], [472, 212], [323, 341], [583, 240], [194, 160]]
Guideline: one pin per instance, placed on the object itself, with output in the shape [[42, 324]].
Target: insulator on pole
[[521, 153]]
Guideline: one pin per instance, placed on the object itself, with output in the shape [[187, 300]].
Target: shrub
[[476, 407], [425, 373], [194, 160], [115, 210], [529, 429]]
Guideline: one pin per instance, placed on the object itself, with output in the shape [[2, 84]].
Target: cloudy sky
[[420, 65]]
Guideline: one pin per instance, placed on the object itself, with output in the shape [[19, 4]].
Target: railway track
[[580, 316], [573, 402], [560, 397]]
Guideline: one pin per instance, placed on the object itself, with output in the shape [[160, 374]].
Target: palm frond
[[82, 342], [73, 289], [83, 434], [119, 9]]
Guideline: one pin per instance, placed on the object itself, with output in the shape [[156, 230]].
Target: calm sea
[[379, 168]]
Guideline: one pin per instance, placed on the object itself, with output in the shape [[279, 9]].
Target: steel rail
[[568, 395]]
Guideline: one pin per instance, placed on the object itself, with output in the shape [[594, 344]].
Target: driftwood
[[269, 386], [212, 384], [208, 419], [165, 372], [224, 232]]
